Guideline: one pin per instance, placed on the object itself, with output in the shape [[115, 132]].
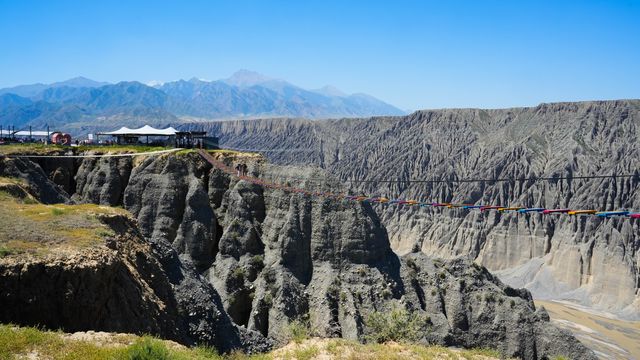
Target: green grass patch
[[485, 352], [148, 349], [23, 342], [17, 342], [308, 353], [38, 229], [15, 189], [57, 211], [4, 251], [41, 149], [11, 180], [32, 149], [185, 152]]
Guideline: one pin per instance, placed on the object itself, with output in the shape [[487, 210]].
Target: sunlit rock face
[[584, 259], [279, 257], [274, 257]]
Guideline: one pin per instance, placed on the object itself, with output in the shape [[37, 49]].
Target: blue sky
[[413, 54]]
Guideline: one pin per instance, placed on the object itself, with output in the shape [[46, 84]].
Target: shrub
[[236, 277], [204, 352], [412, 264], [269, 276], [30, 201], [234, 235], [238, 273], [147, 349], [333, 291], [268, 299], [396, 325], [299, 330], [386, 293], [105, 233], [257, 262], [57, 211], [413, 268], [362, 271], [4, 251]]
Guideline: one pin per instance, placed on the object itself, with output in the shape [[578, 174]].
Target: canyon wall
[[588, 260], [275, 257]]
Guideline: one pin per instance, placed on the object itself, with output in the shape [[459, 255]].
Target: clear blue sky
[[413, 54]]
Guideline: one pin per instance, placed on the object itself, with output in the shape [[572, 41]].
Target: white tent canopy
[[32, 133], [24, 133], [145, 130]]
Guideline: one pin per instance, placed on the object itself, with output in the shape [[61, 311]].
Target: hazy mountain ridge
[[82, 102], [72, 108], [251, 94], [32, 90]]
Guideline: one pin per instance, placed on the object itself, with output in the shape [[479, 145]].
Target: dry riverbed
[[609, 337]]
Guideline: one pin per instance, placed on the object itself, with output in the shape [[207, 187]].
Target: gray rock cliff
[[275, 257], [130, 284], [591, 261]]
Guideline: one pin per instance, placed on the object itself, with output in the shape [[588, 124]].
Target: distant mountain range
[[35, 89], [81, 104]]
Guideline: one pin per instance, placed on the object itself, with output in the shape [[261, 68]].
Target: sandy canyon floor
[[609, 337]]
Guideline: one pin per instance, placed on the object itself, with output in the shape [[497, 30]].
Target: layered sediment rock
[[275, 257], [592, 261], [38, 182], [129, 284]]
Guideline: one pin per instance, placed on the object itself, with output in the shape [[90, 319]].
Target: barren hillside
[[584, 259]]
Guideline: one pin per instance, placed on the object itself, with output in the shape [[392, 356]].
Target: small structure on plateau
[[167, 137]]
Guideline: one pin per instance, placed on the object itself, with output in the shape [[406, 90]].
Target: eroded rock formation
[[274, 258], [129, 284], [592, 261]]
